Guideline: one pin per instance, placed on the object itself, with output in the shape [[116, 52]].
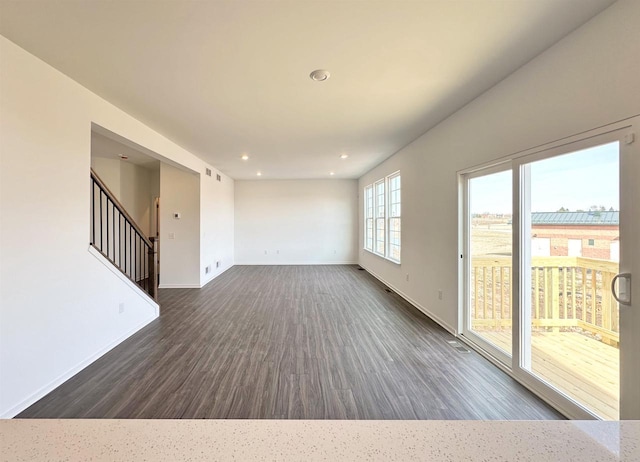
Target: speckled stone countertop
[[304, 440]]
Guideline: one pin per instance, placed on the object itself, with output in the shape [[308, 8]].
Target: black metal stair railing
[[116, 236]]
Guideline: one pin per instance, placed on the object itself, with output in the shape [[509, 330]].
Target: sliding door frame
[[465, 328], [625, 132]]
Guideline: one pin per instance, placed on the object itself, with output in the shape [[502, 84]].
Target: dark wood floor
[[290, 342]]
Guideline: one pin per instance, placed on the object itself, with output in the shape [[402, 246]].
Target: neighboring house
[[576, 234]]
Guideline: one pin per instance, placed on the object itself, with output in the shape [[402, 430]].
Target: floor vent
[[389, 291], [457, 346], [360, 269]]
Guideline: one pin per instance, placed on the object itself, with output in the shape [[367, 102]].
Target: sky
[[574, 181]]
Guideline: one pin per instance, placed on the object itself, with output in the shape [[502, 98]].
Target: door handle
[[622, 296]]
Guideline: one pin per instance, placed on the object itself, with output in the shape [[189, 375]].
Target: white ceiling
[[224, 78], [102, 146]]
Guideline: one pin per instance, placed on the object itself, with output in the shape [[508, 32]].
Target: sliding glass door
[[489, 246], [545, 236], [570, 223]]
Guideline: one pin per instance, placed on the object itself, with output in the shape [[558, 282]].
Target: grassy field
[[490, 237]]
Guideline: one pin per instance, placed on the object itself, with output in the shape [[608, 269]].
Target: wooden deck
[[585, 369]]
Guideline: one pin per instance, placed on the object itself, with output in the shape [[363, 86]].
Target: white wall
[[217, 237], [136, 195], [296, 222], [59, 304], [587, 80], [109, 172], [179, 238]]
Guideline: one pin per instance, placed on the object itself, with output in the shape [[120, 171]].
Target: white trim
[[179, 286], [385, 182], [414, 303], [207, 281], [367, 189], [395, 262], [376, 208], [136, 288], [602, 130], [48, 388], [389, 216], [516, 162], [564, 405], [464, 268]]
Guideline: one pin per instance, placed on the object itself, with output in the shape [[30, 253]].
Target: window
[[368, 218], [592, 242], [382, 212], [380, 235], [394, 217]]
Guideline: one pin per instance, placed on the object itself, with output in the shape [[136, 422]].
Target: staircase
[[116, 236]]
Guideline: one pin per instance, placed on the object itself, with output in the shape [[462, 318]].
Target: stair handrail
[[120, 207], [147, 264]]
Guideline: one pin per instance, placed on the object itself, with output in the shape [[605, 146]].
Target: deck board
[[584, 368]]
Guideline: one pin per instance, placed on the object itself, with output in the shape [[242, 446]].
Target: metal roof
[[575, 218]]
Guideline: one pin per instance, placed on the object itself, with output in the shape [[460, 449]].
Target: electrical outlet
[[265, 252], [121, 308], [407, 277], [217, 264], [172, 235], [439, 294], [207, 270]]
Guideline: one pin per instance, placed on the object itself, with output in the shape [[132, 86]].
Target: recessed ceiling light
[[332, 173], [319, 75], [244, 157], [259, 173], [344, 156]]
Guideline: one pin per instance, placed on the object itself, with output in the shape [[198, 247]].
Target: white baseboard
[[46, 389], [179, 286], [293, 263], [207, 281], [417, 305]]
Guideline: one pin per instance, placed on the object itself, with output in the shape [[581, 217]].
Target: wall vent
[[218, 177], [208, 172]]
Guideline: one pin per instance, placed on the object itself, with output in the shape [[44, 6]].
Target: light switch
[[172, 235]]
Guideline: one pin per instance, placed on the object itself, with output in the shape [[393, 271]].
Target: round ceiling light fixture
[[259, 173], [344, 156], [320, 75], [244, 157], [332, 173]]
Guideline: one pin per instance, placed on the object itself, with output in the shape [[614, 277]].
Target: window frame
[[380, 216], [391, 216], [368, 217], [378, 235]]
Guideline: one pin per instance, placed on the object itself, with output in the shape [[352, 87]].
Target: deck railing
[[566, 293]]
